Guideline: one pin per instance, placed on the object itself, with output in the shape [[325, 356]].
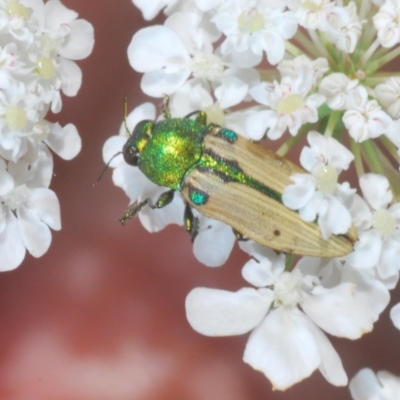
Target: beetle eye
[[131, 155]]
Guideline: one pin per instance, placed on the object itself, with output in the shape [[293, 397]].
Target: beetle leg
[[165, 107], [132, 211], [239, 236], [201, 117], [191, 222], [164, 199]]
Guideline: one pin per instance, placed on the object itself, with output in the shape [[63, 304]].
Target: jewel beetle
[[228, 178]]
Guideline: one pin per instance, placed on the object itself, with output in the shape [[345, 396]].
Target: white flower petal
[[12, 248], [43, 204], [132, 181], [154, 47], [395, 315], [35, 233], [367, 250], [382, 386], [257, 124], [259, 274], [335, 220], [315, 205], [283, 348], [231, 92], [160, 83], [64, 141], [158, 219], [159, 52], [331, 366], [325, 150], [214, 243], [298, 195], [389, 263], [214, 312], [57, 14], [150, 9], [112, 146], [71, 76], [6, 181], [370, 292], [336, 312], [376, 190], [80, 41]]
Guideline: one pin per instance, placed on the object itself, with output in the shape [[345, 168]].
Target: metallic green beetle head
[[137, 141]]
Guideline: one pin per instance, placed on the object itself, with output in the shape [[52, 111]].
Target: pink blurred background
[[101, 315]]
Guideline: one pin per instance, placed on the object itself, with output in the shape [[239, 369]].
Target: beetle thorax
[[174, 147]]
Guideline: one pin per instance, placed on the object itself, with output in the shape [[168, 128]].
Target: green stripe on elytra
[[227, 171]]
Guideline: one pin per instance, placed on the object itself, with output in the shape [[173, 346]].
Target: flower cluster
[[289, 69], [38, 42]]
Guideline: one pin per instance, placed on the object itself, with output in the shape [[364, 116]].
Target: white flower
[[343, 27], [70, 37], [27, 208], [379, 241], [292, 67], [364, 118], [337, 88], [317, 195], [287, 344], [311, 14], [256, 25], [366, 385], [38, 41], [386, 22], [388, 94], [290, 103], [168, 55]]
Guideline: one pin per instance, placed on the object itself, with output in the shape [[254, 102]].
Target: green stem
[[356, 150], [392, 174], [292, 141], [268, 75], [382, 61], [289, 262], [377, 79], [372, 158], [292, 49], [307, 44], [390, 147], [333, 118], [320, 46], [369, 52]]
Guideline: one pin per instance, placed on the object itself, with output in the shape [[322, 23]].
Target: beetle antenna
[[125, 115], [105, 168]]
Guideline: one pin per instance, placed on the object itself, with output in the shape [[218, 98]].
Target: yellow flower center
[[251, 21], [311, 6], [15, 118], [383, 222], [326, 179], [45, 68], [290, 104], [14, 8], [215, 115]]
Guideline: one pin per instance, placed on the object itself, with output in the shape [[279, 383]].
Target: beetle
[[228, 178]]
